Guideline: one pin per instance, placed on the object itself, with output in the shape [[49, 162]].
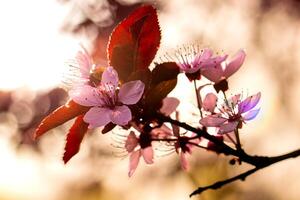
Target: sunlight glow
[[32, 49]]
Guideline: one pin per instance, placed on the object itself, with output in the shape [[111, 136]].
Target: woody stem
[[198, 98], [238, 141]]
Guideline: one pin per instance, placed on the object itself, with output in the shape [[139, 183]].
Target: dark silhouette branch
[[259, 162], [222, 147], [220, 184], [243, 176]]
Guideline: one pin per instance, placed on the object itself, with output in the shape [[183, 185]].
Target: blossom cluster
[[109, 102], [127, 94]]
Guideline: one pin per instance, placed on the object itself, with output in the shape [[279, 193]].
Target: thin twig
[[243, 176], [198, 99]]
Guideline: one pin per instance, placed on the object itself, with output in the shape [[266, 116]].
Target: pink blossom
[[183, 147], [209, 103], [233, 113], [108, 104], [80, 69], [219, 72], [85, 63], [183, 144], [138, 147], [191, 60]]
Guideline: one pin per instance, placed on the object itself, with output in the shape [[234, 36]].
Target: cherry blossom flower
[[191, 60], [233, 114], [138, 147], [80, 69], [220, 72], [108, 104], [184, 146]]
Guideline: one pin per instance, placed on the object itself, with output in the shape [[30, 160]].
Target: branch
[[223, 148], [259, 162], [243, 176]]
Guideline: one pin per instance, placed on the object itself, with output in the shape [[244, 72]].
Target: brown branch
[[223, 148], [259, 162], [243, 176]]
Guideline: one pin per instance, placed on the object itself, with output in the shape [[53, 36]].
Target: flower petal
[[249, 103], [97, 117], [235, 63], [169, 105], [251, 114], [148, 154], [110, 77], [86, 95], [212, 72], [206, 54], [209, 102], [234, 100], [121, 115], [183, 161], [131, 92], [134, 161], [227, 128], [161, 132], [212, 121], [85, 63], [131, 142]]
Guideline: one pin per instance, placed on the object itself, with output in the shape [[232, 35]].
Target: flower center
[[108, 95]]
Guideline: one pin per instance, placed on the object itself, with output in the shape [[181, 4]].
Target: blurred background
[[38, 37]]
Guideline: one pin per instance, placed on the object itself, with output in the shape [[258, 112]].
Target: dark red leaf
[[163, 72], [158, 93], [74, 138], [60, 116], [134, 42], [142, 75]]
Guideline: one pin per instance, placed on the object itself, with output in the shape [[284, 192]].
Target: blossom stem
[[198, 98], [198, 145], [238, 141], [230, 138], [226, 100]]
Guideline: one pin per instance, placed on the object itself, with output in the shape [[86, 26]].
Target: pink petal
[[148, 154], [227, 128], [249, 103], [131, 92], [86, 95], [134, 161], [212, 121], [191, 68], [209, 102], [121, 115], [85, 63], [161, 132], [110, 77], [183, 161], [235, 63], [206, 54], [251, 115], [235, 99], [131, 142], [97, 117], [169, 105], [213, 73]]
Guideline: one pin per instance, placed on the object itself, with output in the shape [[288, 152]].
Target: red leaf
[[60, 116], [134, 42], [74, 138]]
